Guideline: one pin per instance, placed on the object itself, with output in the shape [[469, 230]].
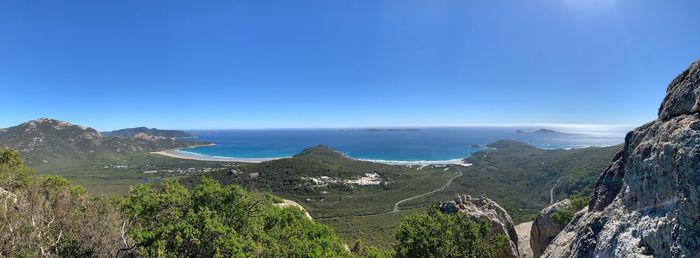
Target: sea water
[[404, 144]]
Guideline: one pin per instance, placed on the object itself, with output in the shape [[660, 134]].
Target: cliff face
[[647, 203]]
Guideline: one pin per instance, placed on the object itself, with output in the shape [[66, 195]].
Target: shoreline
[[176, 153]]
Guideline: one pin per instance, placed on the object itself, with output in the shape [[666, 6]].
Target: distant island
[[391, 130], [541, 130]]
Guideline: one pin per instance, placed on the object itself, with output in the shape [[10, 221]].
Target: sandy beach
[[180, 155]]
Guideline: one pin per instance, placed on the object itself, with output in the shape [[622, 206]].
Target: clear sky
[[287, 63]]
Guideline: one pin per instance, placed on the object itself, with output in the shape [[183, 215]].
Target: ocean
[[409, 145]]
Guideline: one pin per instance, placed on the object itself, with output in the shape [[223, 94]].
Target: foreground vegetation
[[440, 235], [46, 216], [211, 220]]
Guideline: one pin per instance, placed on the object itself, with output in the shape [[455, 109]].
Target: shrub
[[563, 216], [440, 235], [47, 216], [212, 220]]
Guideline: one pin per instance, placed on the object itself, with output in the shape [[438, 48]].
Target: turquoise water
[[421, 144]]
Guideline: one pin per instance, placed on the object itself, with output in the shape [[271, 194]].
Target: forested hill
[[523, 179]]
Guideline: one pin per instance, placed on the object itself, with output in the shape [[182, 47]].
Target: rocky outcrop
[[148, 138], [683, 94], [481, 208], [289, 203], [545, 229], [647, 203]]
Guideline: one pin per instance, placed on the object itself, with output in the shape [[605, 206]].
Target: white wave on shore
[[419, 162]]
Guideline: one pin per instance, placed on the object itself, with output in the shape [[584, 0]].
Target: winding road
[[396, 206], [551, 192]]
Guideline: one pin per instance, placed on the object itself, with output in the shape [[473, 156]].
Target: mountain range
[[47, 139]]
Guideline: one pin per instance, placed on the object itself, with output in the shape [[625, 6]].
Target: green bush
[[215, 221], [46, 216], [440, 235], [359, 249], [563, 216], [13, 174]]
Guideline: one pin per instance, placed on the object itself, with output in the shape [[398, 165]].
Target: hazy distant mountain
[[391, 130], [541, 130], [545, 131], [130, 132], [47, 139]]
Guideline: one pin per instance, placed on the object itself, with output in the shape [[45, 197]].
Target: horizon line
[[548, 124]]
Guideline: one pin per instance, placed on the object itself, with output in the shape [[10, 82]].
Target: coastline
[[176, 153]]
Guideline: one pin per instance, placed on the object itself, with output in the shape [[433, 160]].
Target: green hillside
[[519, 177]]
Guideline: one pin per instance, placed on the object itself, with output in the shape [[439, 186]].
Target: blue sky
[[280, 64]]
